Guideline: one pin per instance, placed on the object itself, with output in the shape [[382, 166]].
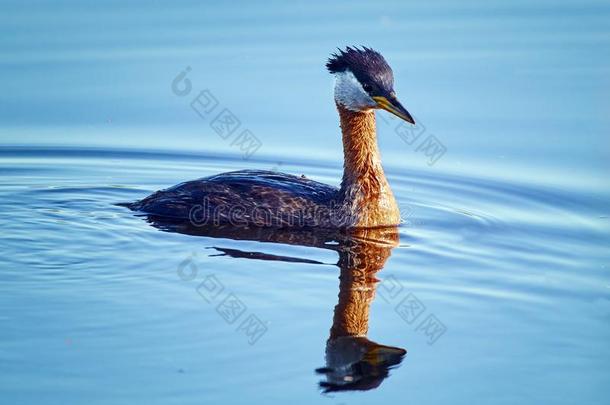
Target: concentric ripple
[[517, 273]]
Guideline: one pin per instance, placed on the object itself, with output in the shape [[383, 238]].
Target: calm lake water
[[497, 284]]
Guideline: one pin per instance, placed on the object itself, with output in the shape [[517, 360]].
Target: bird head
[[364, 81]]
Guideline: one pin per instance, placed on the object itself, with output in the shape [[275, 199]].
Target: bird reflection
[[353, 362]]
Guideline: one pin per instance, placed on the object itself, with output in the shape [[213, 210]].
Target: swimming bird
[[364, 82]]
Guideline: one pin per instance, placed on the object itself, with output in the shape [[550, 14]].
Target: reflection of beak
[[392, 105], [384, 354]]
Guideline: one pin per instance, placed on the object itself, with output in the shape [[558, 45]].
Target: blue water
[[505, 236]]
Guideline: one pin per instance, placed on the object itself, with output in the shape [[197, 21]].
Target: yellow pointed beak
[[394, 107]]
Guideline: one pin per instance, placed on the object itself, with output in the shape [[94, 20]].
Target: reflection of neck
[[356, 291], [359, 261], [364, 188]]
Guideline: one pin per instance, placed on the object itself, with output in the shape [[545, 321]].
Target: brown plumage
[[271, 199], [364, 82], [365, 192]]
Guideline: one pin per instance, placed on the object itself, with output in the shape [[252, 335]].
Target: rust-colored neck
[[364, 188], [362, 164]]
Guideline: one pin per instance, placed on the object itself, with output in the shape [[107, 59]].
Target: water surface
[[504, 244]]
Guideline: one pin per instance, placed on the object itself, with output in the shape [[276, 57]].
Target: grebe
[[363, 82]]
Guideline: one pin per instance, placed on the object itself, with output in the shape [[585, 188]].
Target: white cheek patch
[[349, 92]]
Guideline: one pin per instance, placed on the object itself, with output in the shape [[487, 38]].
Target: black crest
[[367, 65]]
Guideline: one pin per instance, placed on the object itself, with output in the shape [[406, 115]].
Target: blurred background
[[507, 87]]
